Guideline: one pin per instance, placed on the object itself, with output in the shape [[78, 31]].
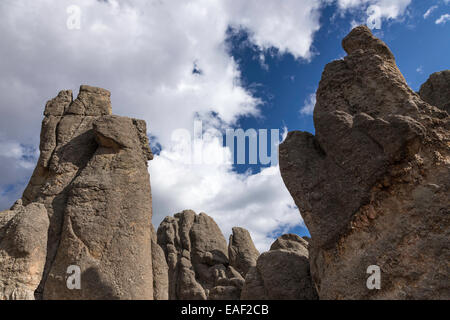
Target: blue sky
[[257, 66]]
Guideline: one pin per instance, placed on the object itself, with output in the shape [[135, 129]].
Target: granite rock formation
[[373, 184], [283, 273], [436, 90], [242, 251], [197, 256], [160, 271], [92, 179], [23, 248]]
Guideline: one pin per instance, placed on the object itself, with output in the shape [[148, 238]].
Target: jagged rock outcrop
[[373, 184], [197, 255], [436, 90], [23, 248], [92, 179], [242, 251], [283, 273]]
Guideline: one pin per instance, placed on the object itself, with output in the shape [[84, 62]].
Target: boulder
[[23, 248], [290, 242], [283, 273]]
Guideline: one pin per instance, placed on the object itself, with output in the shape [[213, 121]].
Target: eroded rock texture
[[23, 248], [436, 91], [197, 256], [283, 273], [373, 184], [242, 251], [92, 179]]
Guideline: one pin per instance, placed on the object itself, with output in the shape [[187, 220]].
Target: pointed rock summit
[[23, 248]]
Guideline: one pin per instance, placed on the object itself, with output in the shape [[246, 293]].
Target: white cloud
[[429, 11], [259, 202], [376, 10], [443, 19], [419, 69], [144, 52], [309, 104], [287, 25]]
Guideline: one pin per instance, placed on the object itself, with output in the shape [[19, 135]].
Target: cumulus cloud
[[443, 19], [259, 202], [144, 52], [287, 25], [166, 62], [309, 104]]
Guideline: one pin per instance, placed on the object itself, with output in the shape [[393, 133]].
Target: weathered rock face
[[283, 273], [23, 248], [436, 91], [372, 185], [197, 255], [242, 251], [92, 178]]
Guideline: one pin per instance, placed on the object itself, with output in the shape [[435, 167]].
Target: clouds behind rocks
[[145, 53]]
